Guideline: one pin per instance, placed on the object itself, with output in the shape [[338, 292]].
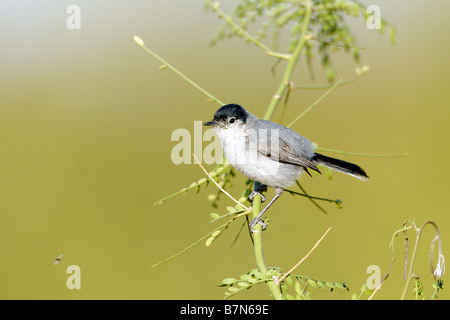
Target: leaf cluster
[[294, 287], [328, 28]]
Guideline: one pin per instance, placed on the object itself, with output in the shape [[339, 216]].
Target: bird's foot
[[255, 221], [258, 191]]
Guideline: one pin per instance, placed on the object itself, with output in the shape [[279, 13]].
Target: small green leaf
[[329, 174], [274, 272], [356, 54], [321, 284], [216, 233], [219, 170], [252, 280], [228, 281], [231, 209], [243, 284], [341, 285], [260, 275], [330, 74], [245, 277], [298, 288], [369, 291], [392, 35], [233, 289], [312, 283], [331, 285], [214, 215], [209, 241], [192, 185]]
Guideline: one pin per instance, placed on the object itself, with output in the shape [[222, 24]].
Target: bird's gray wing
[[287, 155], [283, 145]]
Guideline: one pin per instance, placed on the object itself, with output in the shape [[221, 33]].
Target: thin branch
[[140, 42], [376, 155], [245, 34], [225, 166], [310, 198], [278, 281], [200, 165], [327, 86], [336, 201], [285, 82], [315, 103], [225, 225], [378, 287]]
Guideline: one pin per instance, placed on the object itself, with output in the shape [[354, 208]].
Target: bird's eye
[[232, 120]]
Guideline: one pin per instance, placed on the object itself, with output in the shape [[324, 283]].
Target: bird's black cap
[[227, 111]]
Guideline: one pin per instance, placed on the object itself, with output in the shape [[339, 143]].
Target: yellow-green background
[[85, 124]]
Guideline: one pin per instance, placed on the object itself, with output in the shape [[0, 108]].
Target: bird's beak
[[211, 123]]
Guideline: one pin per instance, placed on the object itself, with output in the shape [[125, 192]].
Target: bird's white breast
[[252, 164]]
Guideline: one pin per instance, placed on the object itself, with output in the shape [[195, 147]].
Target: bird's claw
[[259, 192], [257, 221]]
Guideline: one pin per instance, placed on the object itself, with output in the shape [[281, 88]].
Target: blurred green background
[[85, 124]]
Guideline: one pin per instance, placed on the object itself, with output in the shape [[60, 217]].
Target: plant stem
[[242, 32], [259, 253], [140, 42], [416, 245], [291, 65], [314, 104], [257, 235], [374, 155], [304, 258], [410, 277]]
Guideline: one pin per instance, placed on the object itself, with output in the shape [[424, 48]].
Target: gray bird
[[269, 153]]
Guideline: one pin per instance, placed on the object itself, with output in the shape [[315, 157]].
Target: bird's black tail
[[341, 166]]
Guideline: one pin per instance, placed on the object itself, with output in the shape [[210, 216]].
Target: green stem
[[310, 198], [223, 226], [257, 235], [291, 65], [328, 86], [336, 201], [315, 103], [230, 21], [245, 34], [165, 63], [376, 155], [259, 253], [416, 245]]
